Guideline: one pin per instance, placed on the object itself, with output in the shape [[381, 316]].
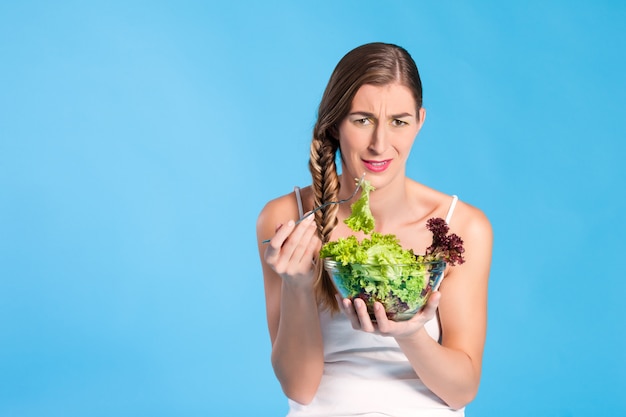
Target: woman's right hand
[[291, 253]]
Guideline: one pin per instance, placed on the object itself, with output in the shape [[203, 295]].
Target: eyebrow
[[371, 115]]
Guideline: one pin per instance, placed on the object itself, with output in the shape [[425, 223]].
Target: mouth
[[377, 166]]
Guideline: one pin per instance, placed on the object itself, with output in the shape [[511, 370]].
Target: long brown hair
[[372, 63]]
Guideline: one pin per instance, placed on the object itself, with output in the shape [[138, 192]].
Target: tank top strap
[[296, 190], [451, 209]]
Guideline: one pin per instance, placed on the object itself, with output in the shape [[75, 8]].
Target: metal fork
[[328, 203]]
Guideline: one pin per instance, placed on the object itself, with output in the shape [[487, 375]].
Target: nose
[[378, 143]]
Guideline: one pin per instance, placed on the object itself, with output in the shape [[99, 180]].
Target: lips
[[377, 166]]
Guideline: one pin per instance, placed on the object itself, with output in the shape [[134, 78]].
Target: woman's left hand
[[360, 318]]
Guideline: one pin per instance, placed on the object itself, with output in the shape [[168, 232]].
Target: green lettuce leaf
[[361, 218], [380, 267]]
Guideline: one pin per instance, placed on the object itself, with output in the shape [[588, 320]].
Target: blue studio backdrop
[[139, 141]]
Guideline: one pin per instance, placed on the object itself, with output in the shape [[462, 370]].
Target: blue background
[[139, 140]]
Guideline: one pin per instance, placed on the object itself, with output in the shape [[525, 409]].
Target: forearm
[[451, 374], [297, 351]]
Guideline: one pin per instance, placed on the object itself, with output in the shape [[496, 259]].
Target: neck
[[388, 203]]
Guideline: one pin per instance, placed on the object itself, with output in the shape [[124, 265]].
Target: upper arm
[[463, 305], [275, 213]]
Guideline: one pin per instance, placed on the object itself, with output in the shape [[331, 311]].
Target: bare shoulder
[[471, 222], [276, 212], [474, 228]]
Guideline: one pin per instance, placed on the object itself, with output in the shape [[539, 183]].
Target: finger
[[383, 323], [315, 243], [287, 238], [312, 250], [297, 253], [348, 309], [430, 308], [363, 315], [276, 243], [306, 242]]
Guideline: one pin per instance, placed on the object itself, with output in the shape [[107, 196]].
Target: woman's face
[[377, 135]]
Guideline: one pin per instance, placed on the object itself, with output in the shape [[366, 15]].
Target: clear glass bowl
[[402, 289]]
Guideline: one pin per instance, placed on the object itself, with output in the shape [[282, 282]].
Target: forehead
[[395, 98]]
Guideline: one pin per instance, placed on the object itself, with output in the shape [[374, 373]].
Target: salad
[[378, 268]]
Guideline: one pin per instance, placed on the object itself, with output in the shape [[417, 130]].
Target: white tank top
[[367, 374]]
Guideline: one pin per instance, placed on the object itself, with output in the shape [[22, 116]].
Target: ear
[[422, 115]]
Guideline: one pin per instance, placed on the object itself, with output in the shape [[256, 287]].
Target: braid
[[325, 188]]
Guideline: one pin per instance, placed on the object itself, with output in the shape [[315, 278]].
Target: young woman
[[330, 358]]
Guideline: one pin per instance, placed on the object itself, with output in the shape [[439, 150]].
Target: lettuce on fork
[[361, 218]]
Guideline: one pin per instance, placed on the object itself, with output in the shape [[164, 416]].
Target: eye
[[398, 123], [365, 121]]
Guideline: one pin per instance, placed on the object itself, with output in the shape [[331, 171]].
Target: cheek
[[355, 135], [403, 146], [408, 145], [348, 139]]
